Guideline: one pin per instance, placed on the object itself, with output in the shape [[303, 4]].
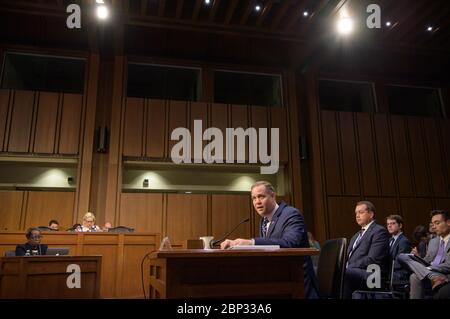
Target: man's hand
[[237, 242], [415, 251]]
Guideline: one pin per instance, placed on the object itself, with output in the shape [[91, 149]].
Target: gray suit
[[421, 272]]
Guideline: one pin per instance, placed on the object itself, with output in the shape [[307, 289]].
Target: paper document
[[255, 247]]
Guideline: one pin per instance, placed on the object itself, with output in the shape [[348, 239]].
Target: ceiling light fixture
[[345, 25], [257, 7]]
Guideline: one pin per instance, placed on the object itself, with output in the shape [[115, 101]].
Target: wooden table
[[46, 277], [122, 254], [198, 273]]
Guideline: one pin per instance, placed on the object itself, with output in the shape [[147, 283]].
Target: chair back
[[121, 229], [331, 268]]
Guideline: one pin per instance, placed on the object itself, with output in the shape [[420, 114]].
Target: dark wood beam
[[285, 5], [265, 12], [248, 10], [230, 10], [161, 8], [212, 13], [179, 10], [409, 20], [144, 7], [296, 14], [197, 6]]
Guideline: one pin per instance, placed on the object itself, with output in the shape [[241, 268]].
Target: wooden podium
[[198, 273], [46, 277]]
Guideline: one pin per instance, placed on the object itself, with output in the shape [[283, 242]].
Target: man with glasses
[[434, 270], [33, 246]]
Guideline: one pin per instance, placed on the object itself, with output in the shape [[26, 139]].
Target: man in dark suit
[[436, 272], [369, 246], [281, 225], [398, 244], [33, 246]]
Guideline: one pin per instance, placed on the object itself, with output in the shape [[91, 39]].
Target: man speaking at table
[[281, 225]]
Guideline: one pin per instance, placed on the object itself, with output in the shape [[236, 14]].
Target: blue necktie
[[440, 254], [264, 227]]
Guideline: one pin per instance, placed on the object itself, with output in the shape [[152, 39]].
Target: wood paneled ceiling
[[277, 19]]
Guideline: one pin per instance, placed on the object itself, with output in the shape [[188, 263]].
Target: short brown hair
[[269, 187], [397, 218], [370, 206], [444, 213]]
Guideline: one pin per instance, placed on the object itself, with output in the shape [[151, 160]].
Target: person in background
[[53, 224], [422, 237], [107, 226], [33, 246], [88, 224], [398, 244]]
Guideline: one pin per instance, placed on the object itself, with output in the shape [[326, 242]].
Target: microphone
[[216, 242]]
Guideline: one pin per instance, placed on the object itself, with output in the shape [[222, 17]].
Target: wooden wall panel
[[70, 124], [278, 119], [385, 206], [133, 127], [419, 157], [259, 119], [402, 156], [384, 155], [109, 256], [415, 211], [177, 118], [219, 119], [239, 119], [435, 157], [444, 125], [331, 153], [142, 211], [341, 217], [443, 203], [369, 170], [21, 121], [45, 134], [186, 216], [349, 154], [198, 111], [11, 209], [44, 206], [156, 128], [4, 105], [227, 211]]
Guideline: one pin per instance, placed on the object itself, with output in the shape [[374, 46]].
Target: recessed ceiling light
[[102, 12], [429, 29], [305, 13], [207, 1], [257, 7], [345, 25], [388, 24]]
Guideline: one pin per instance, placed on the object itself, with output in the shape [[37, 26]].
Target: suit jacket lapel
[[362, 238], [275, 217], [396, 243]]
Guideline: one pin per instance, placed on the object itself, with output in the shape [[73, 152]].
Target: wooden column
[[87, 139]]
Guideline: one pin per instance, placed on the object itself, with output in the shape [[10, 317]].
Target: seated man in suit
[[53, 224], [438, 258], [369, 246], [281, 225], [398, 244], [33, 246]]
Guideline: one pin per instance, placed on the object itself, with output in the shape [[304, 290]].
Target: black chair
[[331, 268], [389, 291], [45, 228], [10, 253], [121, 229]]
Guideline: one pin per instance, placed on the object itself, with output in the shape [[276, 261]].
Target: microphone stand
[[217, 242]]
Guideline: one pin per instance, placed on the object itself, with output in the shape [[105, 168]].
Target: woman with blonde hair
[[88, 223]]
